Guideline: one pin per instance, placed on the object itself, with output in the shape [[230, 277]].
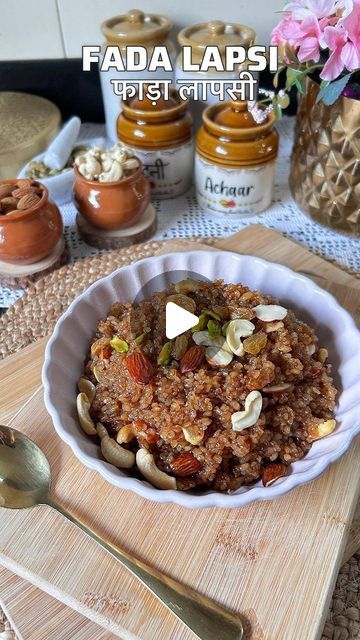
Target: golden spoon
[[25, 478]]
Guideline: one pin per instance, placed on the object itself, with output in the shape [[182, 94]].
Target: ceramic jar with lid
[[235, 161], [216, 33], [133, 28], [161, 136]]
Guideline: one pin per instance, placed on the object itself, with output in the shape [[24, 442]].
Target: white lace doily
[[182, 218]]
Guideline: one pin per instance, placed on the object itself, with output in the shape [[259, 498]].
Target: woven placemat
[[34, 316]]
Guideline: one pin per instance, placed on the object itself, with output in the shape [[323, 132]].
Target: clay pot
[[112, 205], [31, 235]]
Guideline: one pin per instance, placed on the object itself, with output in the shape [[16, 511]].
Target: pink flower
[[286, 32], [351, 51], [311, 38], [302, 9], [335, 38]]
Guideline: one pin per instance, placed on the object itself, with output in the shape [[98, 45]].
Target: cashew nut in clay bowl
[[115, 198]]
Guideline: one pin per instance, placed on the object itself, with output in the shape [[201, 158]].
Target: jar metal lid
[[136, 27], [218, 33]]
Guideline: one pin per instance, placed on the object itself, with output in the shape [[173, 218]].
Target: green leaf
[[292, 75], [276, 77], [333, 90], [299, 86]]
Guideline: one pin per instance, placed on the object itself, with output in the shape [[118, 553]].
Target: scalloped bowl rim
[[252, 493]]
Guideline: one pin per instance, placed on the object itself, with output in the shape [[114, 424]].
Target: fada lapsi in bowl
[[259, 396]]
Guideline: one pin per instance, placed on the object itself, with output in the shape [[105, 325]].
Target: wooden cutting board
[[273, 562]]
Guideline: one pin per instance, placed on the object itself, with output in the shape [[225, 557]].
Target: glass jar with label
[[213, 33], [235, 161], [161, 136], [134, 28]]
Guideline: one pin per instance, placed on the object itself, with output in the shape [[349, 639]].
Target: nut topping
[[322, 430], [270, 312], [236, 330], [139, 367], [192, 359], [146, 464], [247, 418], [218, 357], [185, 464]]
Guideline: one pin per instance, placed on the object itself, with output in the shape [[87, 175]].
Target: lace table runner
[[182, 218]]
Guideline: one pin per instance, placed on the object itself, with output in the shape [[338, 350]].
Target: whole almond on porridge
[[185, 464], [30, 200], [139, 367], [192, 359], [5, 190]]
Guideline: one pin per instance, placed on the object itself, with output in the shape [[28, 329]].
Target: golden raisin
[[255, 343]]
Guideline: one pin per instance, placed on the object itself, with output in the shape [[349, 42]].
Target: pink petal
[[335, 37], [333, 67], [350, 56], [309, 50]]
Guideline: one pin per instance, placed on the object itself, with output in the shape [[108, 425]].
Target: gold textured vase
[[325, 161]]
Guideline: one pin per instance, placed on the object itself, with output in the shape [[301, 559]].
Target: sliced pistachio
[[83, 408], [247, 418], [120, 345], [87, 387], [164, 357], [140, 339], [201, 324], [146, 464], [322, 430], [224, 328], [214, 328], [236, 330], [211, 314], [270, 312], [183, 301], [218, 357], [192, 435]]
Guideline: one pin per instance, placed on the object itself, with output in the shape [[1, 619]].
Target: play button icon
[[178, 320]]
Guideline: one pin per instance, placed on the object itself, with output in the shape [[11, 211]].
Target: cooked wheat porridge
[[236, 399]]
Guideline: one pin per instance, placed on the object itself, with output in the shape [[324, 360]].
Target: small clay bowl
[[30, 235], [112, 205]]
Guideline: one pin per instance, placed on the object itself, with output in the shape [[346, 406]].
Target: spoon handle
[[208, 620]]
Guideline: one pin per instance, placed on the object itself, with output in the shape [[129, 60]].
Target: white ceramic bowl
[[60, 186], [68, 346]]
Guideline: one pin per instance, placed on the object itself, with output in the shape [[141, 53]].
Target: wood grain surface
[[273, 562]]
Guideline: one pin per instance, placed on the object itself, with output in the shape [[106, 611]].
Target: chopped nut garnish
[[322, 430], [164, 356], [270, 312], [119, 345], [247, 418], [236, 330]]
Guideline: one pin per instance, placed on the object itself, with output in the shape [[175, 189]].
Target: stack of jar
[[235, 156]]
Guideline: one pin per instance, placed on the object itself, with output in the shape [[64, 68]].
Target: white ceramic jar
[[133, 28], [161, 136], [235, 161]]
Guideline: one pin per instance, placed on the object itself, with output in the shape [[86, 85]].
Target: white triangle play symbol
[[178, 320]]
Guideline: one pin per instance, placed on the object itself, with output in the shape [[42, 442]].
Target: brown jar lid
[[136, 27], [165, 124], [218, 33], [231, 136]]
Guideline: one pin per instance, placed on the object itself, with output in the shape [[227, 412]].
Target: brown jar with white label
[[160, 134], [235, 161]]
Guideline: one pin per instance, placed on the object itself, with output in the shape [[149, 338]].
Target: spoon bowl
[[25, 473]]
